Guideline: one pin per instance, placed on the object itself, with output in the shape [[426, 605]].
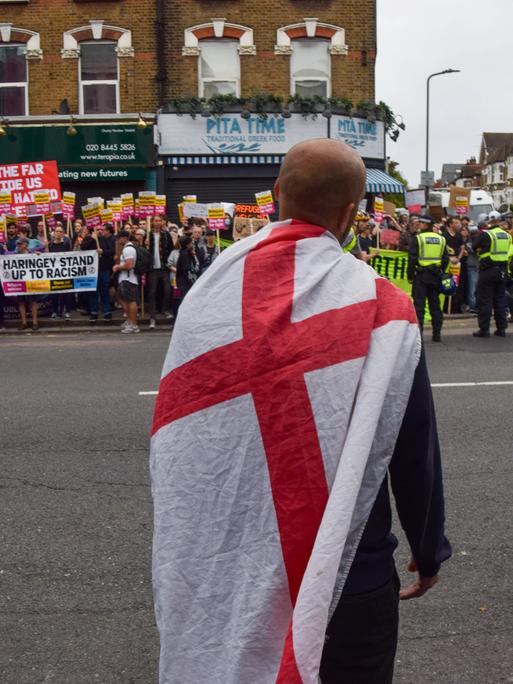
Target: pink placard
[[14, 287]]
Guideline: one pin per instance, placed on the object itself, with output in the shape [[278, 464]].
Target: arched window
[[219, 68], [219, 45], [17, 46], [98, 47], [310, 68], [99, 78], [13, 80]]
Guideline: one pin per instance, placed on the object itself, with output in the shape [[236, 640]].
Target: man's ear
[[277, 188], [347, 219]]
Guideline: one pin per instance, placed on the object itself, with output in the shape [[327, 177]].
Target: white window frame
[[216, 79], [82, 83], [293, 80], [19, 84]]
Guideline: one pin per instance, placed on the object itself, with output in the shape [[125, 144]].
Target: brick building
[[246, 80], [69, 69]]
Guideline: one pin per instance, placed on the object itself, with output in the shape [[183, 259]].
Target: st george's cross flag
[[281, 399]]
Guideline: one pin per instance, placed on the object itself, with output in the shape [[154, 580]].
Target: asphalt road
[[75, 523]]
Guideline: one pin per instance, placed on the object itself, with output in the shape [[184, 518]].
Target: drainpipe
[[160, 44]]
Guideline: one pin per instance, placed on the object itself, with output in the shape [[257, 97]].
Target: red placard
[[29, 177], [388, 236]]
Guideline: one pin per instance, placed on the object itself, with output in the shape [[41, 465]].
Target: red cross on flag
[[281, 399]]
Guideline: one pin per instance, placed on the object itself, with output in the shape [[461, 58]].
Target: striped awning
[[210, 160], [379, 181]]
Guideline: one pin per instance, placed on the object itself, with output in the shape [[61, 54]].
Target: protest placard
[[195, 210], [215, 214], [265, 202], [3, 229], [5, 202], [388, 236], [106, 215], [23, 180], [160, 205], [91, 214], [68, 205], [146, 204], [415, 200], [42, 202], [190, 199], [127, 205], [115, 206], [45, 273], [379, 209], [459, 199]]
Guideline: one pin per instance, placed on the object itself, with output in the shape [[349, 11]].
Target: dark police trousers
[[491, 292], [361, 638], [426, 285]]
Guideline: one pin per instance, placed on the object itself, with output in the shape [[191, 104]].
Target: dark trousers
[[160, 275], [102, 292], [491, 293], [426, 286], [361, 638], [2, 299], [61, 303]]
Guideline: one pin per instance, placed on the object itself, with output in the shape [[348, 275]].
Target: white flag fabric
[[281, 399]]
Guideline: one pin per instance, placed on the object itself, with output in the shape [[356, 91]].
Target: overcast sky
[[419, 37]]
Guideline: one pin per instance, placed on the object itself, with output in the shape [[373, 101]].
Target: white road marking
[[494, 383]]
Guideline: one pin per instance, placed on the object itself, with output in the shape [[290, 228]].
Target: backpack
[[144, 261]]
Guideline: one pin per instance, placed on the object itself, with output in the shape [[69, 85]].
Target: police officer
[[427, 260], [493, 246]]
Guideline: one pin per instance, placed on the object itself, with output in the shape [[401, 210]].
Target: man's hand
[[116, 268], [420, 586]]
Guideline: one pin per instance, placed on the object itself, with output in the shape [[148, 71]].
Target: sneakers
[[437, 337], [125, 324], [54, 316], [107, 317], [169, 315], [153, 323], [128, 329], [500, 333], [93, 318], [35, 328], [23, 326], [67, 317], [481, 333]]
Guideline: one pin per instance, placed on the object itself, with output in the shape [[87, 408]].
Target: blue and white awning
[[209, 160], [379, 181]]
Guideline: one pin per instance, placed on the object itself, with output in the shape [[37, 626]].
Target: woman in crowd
[[22, 247], [188, 267], [61, 301]]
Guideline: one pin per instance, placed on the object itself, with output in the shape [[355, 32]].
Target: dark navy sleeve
[[416, 478], [413, 253]]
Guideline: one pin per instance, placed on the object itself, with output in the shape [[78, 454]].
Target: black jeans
[[361, 638], [491, 293], [426, 285], [160, 275]]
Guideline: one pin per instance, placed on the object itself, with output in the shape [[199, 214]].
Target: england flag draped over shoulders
[[281, 399]]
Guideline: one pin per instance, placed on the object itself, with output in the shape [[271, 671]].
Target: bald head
[[321, 182]]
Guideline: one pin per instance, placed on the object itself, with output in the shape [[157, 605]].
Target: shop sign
[[366, 137], [98, 145], [231, 134], [102, 173]]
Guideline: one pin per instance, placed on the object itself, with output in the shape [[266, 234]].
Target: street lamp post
[[438, 73]]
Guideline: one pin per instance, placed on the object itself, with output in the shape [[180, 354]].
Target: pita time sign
[[23, 180]]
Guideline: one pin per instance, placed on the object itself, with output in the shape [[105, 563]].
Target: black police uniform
[[491, 289], [426, 285]]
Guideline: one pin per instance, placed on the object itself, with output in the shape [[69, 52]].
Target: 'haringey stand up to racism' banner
[[46, 273]]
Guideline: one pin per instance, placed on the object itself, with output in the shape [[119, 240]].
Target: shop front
[[102, 159], [230, 157]]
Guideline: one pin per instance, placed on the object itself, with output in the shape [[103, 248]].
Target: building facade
[[246, 80], [74, 76]]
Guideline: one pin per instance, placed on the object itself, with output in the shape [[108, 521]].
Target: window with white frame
[[219, 68], [310, 68], [99, 78], [13, 81]]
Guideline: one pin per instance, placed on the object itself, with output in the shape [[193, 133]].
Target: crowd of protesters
[[460, 235], [177, 256], [173, 257]]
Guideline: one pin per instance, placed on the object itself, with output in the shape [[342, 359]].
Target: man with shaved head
[[301, 384]]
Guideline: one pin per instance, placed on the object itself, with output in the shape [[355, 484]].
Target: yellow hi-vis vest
[[500, 244], [350, 241], [431, 249]]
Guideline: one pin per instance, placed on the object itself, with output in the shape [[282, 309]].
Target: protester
[[211, 249], [23, 247], [160, 247], [128, 289], [34, 245], [188, 268], [2, 297], [472, 268], [199, 244], [12, 236], [101, 296], [61, 301], [41, 232], [301, 378]]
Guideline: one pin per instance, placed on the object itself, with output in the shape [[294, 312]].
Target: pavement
[[76, 523]]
